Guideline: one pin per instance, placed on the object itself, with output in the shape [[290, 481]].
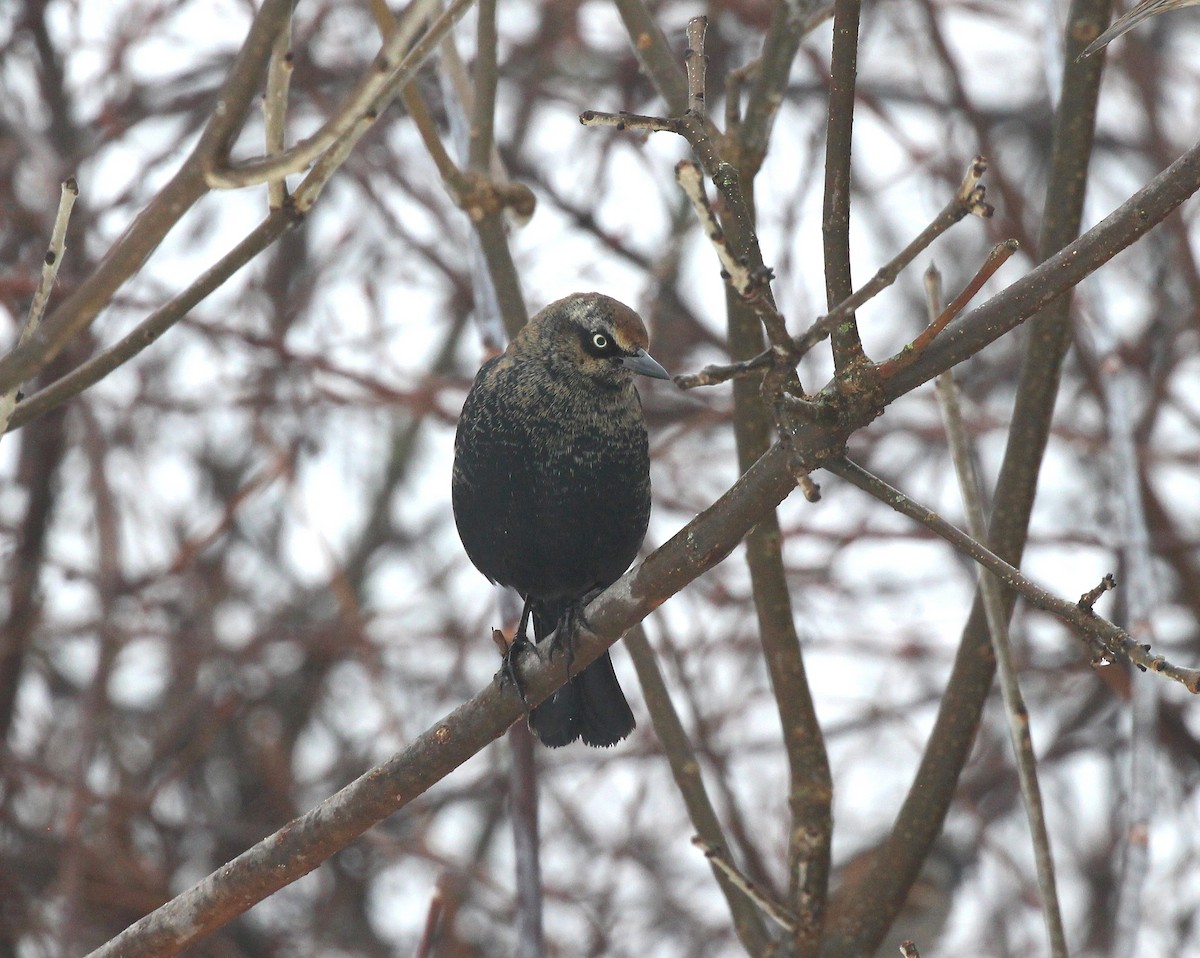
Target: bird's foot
[[565, 636], [510, 653]]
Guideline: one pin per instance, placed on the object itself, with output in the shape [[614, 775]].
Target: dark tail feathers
[[591, 707]]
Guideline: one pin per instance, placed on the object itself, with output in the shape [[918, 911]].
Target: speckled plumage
[[551, 484]]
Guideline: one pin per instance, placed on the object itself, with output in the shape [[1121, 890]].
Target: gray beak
[[643, 363]]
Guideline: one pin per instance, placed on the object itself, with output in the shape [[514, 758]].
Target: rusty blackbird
[[551, 487]]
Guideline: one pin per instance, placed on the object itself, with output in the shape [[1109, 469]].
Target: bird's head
[[590, 334]]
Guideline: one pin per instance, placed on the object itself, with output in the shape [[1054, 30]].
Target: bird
[[1140, 12], [551, 489]]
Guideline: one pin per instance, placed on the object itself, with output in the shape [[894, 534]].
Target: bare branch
[[37, 307], [997, 618], [145, 234], [772, 909], [279, 78], [1101, 635], [153, 326], [487, 72], [696, 63], [1120, 389], [914, 350], [835, 215], [394, 66], [686, 770], [523, 809]]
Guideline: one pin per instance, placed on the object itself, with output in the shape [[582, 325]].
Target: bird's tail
[[591, 706]]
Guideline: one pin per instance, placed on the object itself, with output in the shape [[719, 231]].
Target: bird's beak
[[643, 363]]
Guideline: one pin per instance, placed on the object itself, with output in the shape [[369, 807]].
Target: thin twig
[[395, 65], [433, 919], [790, 22], [754, 286], [129, 252], [37, 306], [967, 200], [631, 121], [1120, 389], [997, 619], [158, 322], [712, 375], [479, 153], [686, 770], [772, 909], [279, 78], [914, 350], [835, 214], [1088, 600], [1104, 638], [523, 809], [654, 53], [414, 102], [696, 63], [500, 309]]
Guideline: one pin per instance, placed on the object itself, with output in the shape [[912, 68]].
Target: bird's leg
[[508, 667], [568, 628]]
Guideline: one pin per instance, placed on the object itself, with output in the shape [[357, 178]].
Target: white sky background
[[879, 605]]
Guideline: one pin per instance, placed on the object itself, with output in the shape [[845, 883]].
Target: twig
[[37, 306], [1120, 389], [997, 620], [772, 909], [500, 309], [968, 200], [483, 107], [523, 808], [481, 193], [686, 770], [456, 182], [789, 23], [734, 81], [433, 918], [1087, 601], [394, 66], [631, 121], [131, 250], [654, 53], [1102, 635], [914, 350], [712, 375], [279, 78], [1041, 290], [696, 63], [68, 193], [754, 286], [835, 213], [158, 322]]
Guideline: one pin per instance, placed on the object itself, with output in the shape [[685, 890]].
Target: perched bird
[[551, 486], [1122, 25]]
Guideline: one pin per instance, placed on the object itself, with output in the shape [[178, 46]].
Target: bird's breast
[[551, 483]]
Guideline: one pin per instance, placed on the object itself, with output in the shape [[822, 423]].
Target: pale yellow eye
[[599, 340]]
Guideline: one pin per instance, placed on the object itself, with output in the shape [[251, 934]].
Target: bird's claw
[[510, 653], [563, 640]]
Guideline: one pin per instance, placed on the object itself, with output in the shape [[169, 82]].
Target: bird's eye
[[599, 340]]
